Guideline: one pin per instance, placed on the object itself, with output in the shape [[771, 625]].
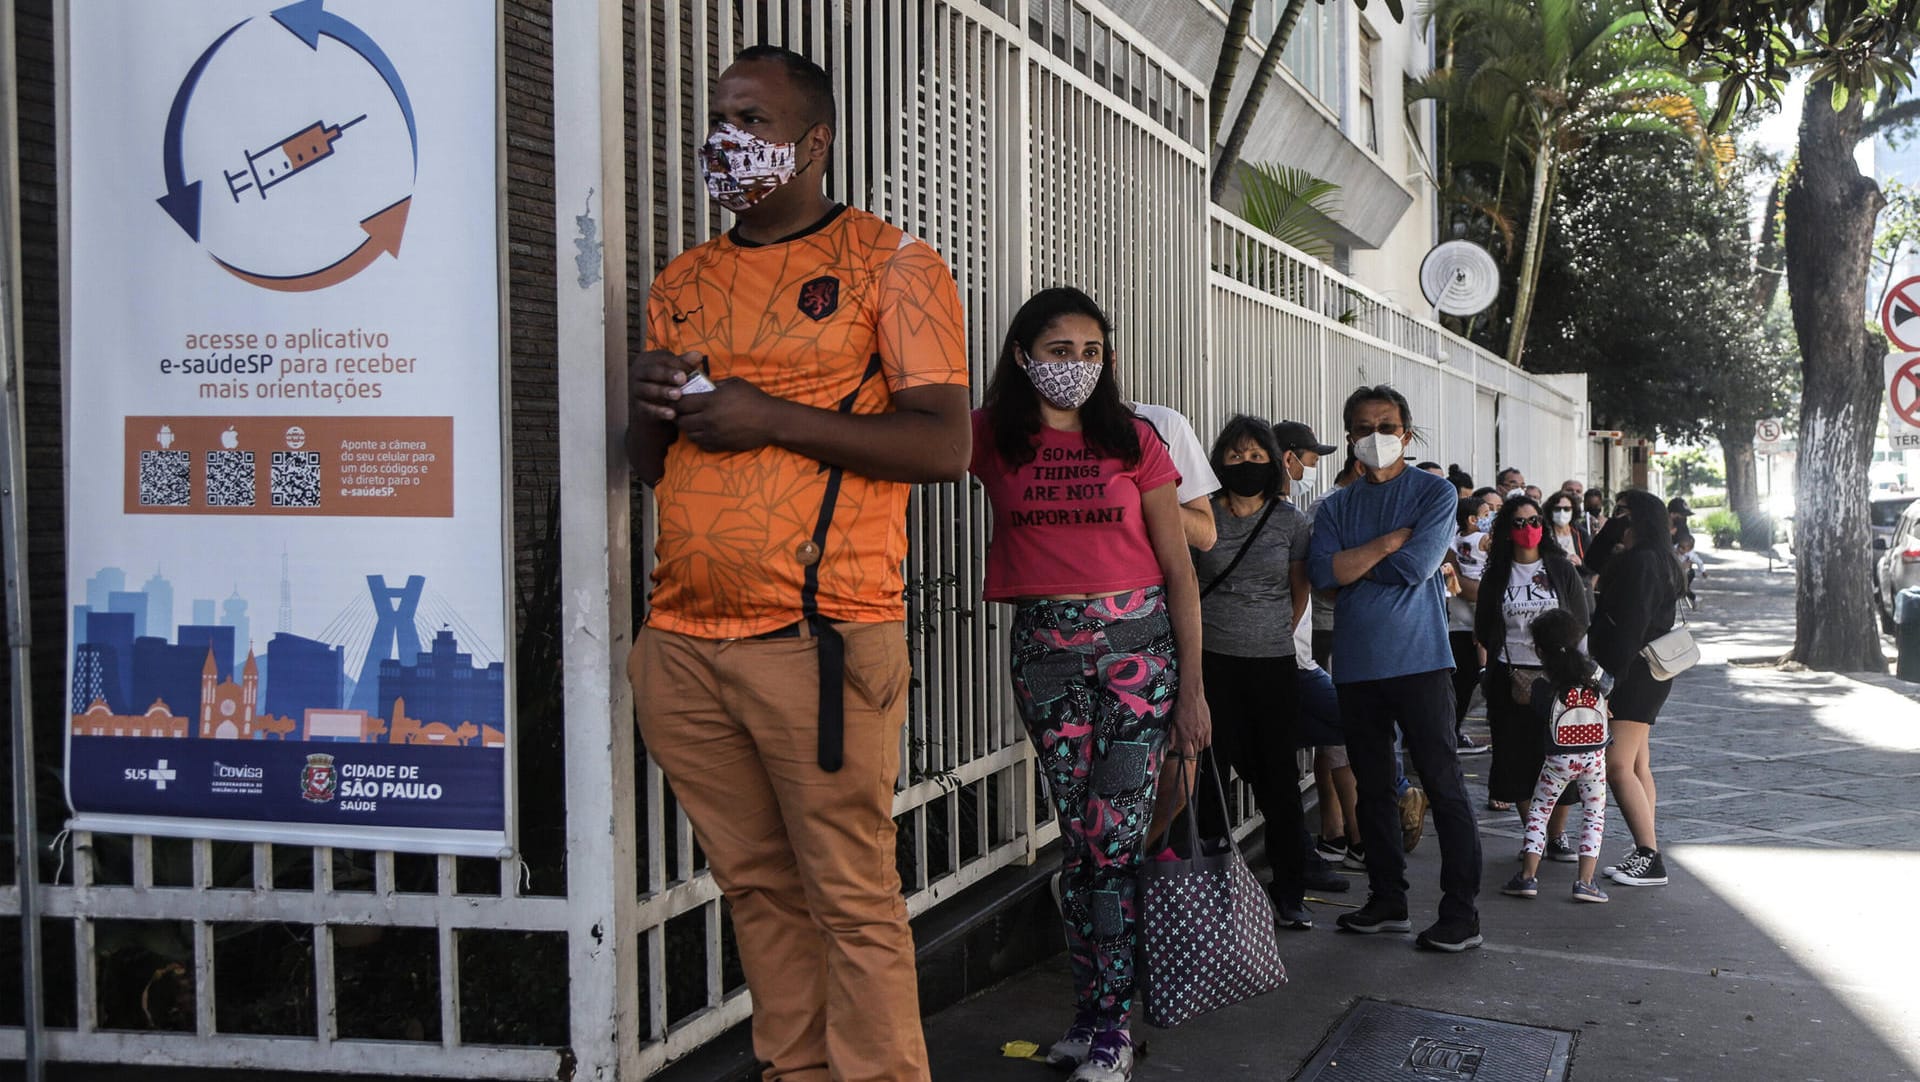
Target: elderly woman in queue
[[1088, 549]]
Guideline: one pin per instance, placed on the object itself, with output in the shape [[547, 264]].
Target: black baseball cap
[[1678, 506], [1294, 436]]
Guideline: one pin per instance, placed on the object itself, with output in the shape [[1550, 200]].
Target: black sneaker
[[1451, 936], [1376, 916], [1615, 866], [1319, 875], [1464, 745], [1334, 850], [1356, 857], [1643, 869], [1559, 850], [1293, 916]]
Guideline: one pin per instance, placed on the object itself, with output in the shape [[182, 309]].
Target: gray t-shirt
[[1251, 613]]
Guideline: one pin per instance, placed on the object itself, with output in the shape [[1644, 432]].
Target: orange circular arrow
[[383, 231]]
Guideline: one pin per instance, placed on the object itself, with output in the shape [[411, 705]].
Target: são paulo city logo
[[318, 780]]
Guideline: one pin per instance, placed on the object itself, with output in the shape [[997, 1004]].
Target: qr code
[[166, 478], [229, 478], [296, 478]]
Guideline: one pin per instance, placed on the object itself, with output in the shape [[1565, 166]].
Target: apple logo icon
[[230, 438]]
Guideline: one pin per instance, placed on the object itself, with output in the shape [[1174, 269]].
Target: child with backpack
[[1572, 702]]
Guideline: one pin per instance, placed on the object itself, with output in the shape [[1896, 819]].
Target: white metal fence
[[1032, 142]]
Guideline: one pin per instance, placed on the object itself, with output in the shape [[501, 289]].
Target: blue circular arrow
[[308, 21], [182, 200]]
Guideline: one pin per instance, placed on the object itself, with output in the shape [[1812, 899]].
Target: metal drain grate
[[1385, 1042]]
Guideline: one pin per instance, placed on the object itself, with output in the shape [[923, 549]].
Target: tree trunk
[[1256, 93], [1226, 67], [1743, 492], [1543, 166], [1831, 210]]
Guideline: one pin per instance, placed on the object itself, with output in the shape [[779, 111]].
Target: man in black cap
[[1300, 451]]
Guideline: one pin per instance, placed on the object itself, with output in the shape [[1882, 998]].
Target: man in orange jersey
[[802, 371]]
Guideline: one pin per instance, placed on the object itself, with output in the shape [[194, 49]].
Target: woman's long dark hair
[[1556, 636], [1013, 406], [1500, 553], [1246, 428], [1563, 496], [1652, 534]]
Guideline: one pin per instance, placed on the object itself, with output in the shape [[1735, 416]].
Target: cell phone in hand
[[697, 383]]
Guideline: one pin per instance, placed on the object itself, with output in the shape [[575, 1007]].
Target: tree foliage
[[1294, 206], [1854, 46], [1525, 85], [1648, 289]]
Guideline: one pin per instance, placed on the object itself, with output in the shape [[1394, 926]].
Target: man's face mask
[[741, 169]]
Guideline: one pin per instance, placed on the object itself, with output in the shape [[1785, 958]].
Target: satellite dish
[[1460, 278]]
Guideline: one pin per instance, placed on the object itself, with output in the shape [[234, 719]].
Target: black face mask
[[1248, 479]]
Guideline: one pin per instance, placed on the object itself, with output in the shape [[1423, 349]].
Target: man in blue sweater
[[1379, 542]]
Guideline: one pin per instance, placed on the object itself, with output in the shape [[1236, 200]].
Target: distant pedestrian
[[770, 679], [1510, 481], [1594, 502], [1105, 637], [1574, 489], [1461, 479], [1563, 516], [1253, 592], [1300, 454], [1323, 606], [1473, 533], [1640, 583], [1533, 493], [1527, 574], [1433, 468], [1493, 498], [1379, 542], [1571, 702]]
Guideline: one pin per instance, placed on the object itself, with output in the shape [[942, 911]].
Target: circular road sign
[[1900, 315]]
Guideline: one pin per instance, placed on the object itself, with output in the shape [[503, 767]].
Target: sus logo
[[820, 297]]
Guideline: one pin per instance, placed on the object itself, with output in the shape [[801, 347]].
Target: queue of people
[[805, 368]]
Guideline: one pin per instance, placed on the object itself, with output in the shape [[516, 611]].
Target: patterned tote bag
[[1207, 928]]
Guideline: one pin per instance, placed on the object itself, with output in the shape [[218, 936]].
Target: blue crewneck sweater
[[1392, 622]]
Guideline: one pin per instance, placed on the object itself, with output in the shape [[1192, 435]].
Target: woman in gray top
[[1254, 590]]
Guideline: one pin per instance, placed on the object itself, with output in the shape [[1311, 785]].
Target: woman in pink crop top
[[1087, 547]]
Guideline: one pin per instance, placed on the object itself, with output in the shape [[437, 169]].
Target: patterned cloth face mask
[[741, 168], [1066, 384]]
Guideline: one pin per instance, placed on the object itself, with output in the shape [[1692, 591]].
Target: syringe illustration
[[287, 157]]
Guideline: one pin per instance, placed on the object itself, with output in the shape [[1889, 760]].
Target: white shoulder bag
[[1671, 654]]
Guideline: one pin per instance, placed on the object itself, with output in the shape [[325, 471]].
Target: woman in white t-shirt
[[1466, 561], [1527, 573]]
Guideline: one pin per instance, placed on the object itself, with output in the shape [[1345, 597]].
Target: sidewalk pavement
[[1784, 948]]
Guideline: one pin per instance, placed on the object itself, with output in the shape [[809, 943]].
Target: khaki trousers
[[805, 858]]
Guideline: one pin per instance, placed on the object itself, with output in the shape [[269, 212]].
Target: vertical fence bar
[[589, 156]]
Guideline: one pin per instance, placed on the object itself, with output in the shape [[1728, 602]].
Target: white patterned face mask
[[1065, 384], [741, 168]]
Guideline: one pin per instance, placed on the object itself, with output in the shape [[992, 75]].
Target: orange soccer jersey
[[841, 317]]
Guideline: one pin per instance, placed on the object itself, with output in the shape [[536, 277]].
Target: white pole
[[13, 538], [589, 184]]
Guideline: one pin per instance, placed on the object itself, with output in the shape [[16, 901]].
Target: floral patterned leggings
[[1095, 682], [1589, 769]]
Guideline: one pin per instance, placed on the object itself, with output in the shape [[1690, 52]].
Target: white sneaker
[[1071, 1050], [1110, 1059]]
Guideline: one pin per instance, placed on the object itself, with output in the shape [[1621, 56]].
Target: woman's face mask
[[1065, 384], [1562, 517]]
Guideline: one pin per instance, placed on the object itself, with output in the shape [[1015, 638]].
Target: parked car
[[1896, 556]]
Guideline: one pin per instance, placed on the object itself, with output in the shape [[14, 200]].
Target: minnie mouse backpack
[[1578, 721]]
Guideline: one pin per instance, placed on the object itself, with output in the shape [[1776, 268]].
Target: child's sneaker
[[1559, 850], [1522, 886], [1110, 1059], [1588, 892], [1071, 1050]]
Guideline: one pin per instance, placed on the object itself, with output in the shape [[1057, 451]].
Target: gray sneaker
[[1559, 850], [1110, 1059], [1588, 892]]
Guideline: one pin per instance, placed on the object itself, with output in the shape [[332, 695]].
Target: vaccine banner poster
[[286, 568]]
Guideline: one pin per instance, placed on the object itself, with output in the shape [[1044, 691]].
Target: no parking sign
[[1903, 401]]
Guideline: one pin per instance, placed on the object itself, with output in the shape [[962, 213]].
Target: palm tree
[[1291, 205], [1543, 78]]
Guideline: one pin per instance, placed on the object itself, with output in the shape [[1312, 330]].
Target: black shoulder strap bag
[[828, 642], [1244, 546]]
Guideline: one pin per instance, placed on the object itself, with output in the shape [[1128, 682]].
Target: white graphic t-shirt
[[1529, 593]]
